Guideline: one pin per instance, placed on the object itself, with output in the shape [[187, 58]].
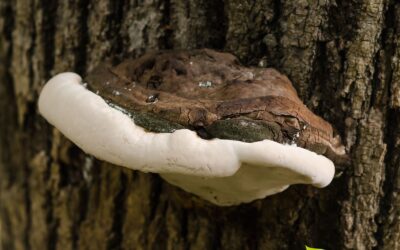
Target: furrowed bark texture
[[343, 57]]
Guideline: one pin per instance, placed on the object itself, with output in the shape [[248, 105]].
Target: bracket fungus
[[227, 133]]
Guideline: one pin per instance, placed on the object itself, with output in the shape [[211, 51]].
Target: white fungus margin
[[224, 172]]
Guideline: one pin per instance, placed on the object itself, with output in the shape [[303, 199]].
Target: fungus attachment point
[[247, 157]]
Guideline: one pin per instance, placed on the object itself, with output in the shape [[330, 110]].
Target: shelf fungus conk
[[227, 133]]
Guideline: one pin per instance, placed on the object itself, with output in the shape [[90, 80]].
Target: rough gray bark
[[342, 56]]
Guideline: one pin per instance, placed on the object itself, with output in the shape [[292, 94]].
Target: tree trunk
[[343, 57]]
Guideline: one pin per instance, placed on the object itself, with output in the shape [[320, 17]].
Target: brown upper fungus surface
[[212, 93]]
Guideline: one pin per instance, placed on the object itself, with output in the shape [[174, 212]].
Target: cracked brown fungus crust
[[212, 93]]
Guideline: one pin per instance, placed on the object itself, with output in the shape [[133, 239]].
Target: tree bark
[[343, 57]]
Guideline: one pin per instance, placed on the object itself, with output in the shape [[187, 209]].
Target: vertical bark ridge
[[7, 101], [103, 214], [165, 41], [9, 238], [302, 27], [116, 19], [388, 234], [23, 48], [61, 187], [43, 225], [365, 184], [249, 29], [70, 28], [102, 31], [48, 30], [380, 98], [270, 41], [19, 207], [139, 188], [83, 206], [141, 28], [197, 24], [395, 84], [116, 238], [364, 129], [81, 54], [317, 86]]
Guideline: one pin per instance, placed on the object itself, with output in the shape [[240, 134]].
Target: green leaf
[[311, 248]]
